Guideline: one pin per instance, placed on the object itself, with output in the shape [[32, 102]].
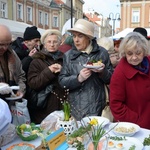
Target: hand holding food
[[55, 68]]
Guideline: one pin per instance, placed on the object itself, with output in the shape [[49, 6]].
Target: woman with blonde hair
[[44, 71], [129, 86]]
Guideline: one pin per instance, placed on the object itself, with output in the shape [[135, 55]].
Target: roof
[[126, 31], [17, 28]]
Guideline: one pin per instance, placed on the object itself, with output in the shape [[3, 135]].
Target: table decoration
[[69, 123], [28, 132], [146, 141]]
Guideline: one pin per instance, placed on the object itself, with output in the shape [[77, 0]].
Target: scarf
[[144, 66], [88, 49], [55, 55], [7, 67]]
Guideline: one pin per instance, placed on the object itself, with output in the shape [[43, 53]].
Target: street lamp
[[71, 13], [114, 18]]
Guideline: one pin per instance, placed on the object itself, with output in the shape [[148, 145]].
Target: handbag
[[106, 112], [38, 99]]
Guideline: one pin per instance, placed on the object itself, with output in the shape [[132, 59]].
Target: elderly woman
[[43, 71], [129, 86], [86, 85]]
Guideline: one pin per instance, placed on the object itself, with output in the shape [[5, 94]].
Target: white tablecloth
[[139, 135]]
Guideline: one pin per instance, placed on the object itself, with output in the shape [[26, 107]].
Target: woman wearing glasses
[[44, 71]]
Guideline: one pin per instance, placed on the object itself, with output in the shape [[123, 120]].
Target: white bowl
[[124, 128], [101, 120]]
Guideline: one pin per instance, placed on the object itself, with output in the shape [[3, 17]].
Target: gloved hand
[[5, 88]]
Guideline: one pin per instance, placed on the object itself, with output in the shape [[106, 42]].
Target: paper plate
[[124, 128], [93, 67], [13, 98]]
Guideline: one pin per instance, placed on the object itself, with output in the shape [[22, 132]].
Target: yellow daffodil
[[94, 121]]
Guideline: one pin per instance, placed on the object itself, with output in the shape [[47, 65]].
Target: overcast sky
[[105, 7]]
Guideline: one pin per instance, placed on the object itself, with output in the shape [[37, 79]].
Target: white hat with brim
[[83, 26]]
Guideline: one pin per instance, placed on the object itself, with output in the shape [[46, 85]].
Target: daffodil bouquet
[[97, 132]]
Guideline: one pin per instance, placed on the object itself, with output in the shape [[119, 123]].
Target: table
[[139, 135]]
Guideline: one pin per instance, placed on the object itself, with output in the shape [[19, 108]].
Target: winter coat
[[88, 97], [23, 53], [12, 72], [39, 76], [19, 48], [129, 94]]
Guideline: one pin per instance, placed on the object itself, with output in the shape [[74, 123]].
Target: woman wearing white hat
[[87, 94]]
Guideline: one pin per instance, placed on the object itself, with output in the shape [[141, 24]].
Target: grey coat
[[86, 98]]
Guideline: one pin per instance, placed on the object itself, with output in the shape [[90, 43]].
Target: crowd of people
[[37, 61]]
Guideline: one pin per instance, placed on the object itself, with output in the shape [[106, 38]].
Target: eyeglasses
[[52, 42], [2, 45]]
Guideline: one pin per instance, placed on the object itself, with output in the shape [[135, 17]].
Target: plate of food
[[101, 120], [22, 146], [124, 143], [124, 128], [94, 65]]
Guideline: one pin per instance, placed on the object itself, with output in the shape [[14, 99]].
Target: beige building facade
[[135, 13], [44, 14]]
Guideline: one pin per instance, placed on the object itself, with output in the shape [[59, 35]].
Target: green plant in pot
[[66, 110], [68, 123]]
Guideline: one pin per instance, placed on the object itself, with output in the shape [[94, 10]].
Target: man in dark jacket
[[25, 47]]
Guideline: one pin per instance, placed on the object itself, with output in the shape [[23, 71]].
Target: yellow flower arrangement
[[97, 132]]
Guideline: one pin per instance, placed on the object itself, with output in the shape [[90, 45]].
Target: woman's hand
[[55, 68], [84, 74]]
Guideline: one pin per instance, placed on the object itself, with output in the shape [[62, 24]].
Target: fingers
[[55, 68], [84, 74], [32, 52]]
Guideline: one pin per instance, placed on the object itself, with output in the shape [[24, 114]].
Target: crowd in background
[[36, 61]]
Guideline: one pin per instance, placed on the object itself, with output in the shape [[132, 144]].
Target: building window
[[3, 10], [46, 18], [135, 15], [55, 21], [40, 17], [19, 11], [29, 14]]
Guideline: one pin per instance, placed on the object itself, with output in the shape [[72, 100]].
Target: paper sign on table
[[57, 140]]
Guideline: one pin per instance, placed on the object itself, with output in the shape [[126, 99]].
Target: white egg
[[119, 146], [111, 144]]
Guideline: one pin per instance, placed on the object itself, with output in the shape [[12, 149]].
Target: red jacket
[[130, 94]]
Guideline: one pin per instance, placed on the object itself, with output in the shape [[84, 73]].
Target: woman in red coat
[[130, 83]]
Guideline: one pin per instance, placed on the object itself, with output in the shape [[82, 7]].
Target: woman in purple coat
[[130, 83]]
